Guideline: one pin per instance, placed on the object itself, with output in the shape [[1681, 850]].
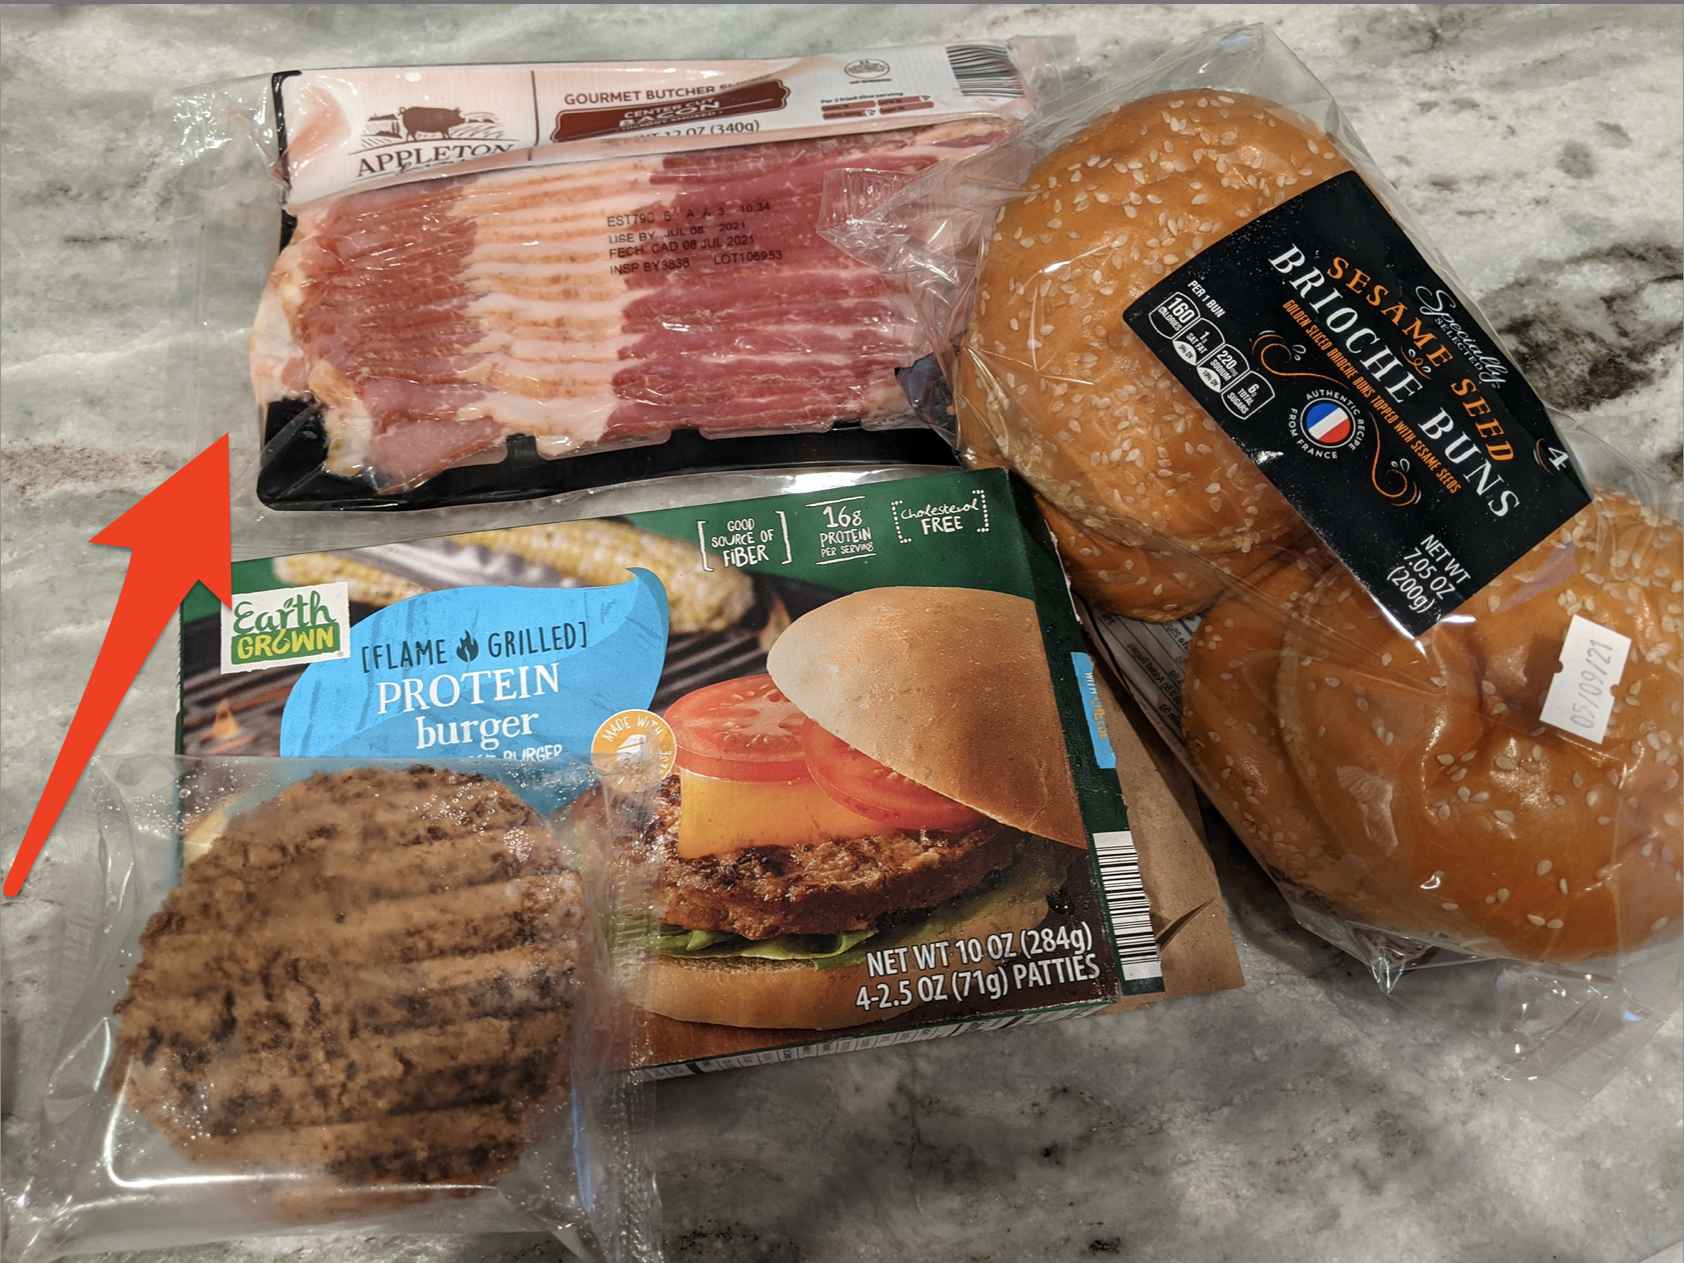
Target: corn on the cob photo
[[366, 584], [597, 553]]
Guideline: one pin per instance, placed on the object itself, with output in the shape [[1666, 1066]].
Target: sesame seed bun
[[1428, 761], [1154, 585], [1234, 741], [1071, 398], [947, 686]]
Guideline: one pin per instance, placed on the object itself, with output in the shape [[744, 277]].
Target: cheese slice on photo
[[722, 816]]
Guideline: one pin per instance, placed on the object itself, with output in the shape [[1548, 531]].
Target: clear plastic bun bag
[[308, 996], [1416, 637]]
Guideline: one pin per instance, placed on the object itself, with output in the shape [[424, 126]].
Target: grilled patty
[[366, 979], [820, 888]]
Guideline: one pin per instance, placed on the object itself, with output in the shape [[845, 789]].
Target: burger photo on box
[[897, 777]]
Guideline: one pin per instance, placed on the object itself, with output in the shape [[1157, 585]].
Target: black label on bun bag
[[1340, 362]]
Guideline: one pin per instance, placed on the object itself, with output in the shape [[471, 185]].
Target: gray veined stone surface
[[1303, 1118]]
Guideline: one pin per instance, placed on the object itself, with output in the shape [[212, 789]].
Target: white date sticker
[[1581, 696]]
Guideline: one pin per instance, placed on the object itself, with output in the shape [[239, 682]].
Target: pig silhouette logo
[[429, 122]]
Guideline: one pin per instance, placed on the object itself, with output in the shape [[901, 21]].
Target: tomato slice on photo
[[739, 730], [876, 791]]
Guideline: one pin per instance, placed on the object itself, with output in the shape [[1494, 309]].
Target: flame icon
[[467, 648]]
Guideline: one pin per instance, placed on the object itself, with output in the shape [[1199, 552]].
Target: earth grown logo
[[286, 626]]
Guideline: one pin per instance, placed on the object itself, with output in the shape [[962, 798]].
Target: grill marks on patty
[[819, 888], [366, 978]]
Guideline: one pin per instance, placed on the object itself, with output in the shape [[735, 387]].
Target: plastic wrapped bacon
[[432, 321], [1416, 783], [549, 282]]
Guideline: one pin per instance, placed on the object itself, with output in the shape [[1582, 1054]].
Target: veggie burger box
[[888, 787]]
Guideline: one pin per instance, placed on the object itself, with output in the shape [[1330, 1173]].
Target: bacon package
[[1416, 636], [488, 268]]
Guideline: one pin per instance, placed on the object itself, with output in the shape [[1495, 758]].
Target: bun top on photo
[[947, 686]]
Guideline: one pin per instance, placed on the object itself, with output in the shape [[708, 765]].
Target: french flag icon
[[1328, 423]]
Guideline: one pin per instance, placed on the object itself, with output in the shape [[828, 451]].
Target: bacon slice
[[599, 303]]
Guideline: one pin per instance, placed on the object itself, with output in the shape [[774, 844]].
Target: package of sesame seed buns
[[1416, 636], [309, 996]]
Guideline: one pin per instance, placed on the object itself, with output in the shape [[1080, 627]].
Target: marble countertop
[[1303, 1118]]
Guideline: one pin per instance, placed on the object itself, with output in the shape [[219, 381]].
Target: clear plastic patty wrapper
[[1417, 638], [487, 272], [304, 996]]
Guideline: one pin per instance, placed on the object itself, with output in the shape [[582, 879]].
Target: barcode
[[1131, 915], [984, 70]]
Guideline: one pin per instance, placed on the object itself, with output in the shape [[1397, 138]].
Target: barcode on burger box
[[1131, 915]]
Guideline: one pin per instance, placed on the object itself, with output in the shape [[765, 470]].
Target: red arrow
[[179, 535]]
